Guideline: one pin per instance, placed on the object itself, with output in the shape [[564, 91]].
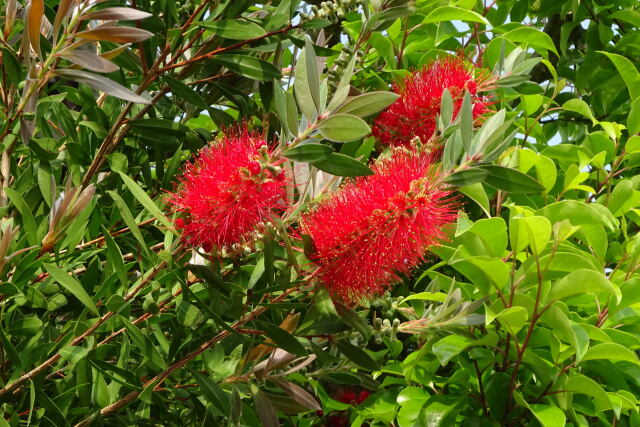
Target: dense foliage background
[[527, 314]]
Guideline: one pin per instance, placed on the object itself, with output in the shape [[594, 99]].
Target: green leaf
[[578, 213], [114, 257], [306, 85], [611, 351], [146, 201], [450, 346], [511, 180], [28, 221], [341, 165], [357, 356], [581, 282], [579, 106], [185, 92], [160, 126], [343, 128], [450, 13], [213, 393], [144, 344], [72, 285], [513, 318], [628, 71], [27, 326], [102, 84], [533, 231], [466, 122], [234, 29], [633, 121], [466, 177], [426, 296], [367, 104], [446, 108], [128, 219], [476, 193], [342, 91], [249, 66], [533, 37], [283, 339], [351, 318], [308, 152], [585, 385], [548, 415]]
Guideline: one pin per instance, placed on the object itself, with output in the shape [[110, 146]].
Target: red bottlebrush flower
[[377, 227], [414, 113], [232, 187], [346, 396]]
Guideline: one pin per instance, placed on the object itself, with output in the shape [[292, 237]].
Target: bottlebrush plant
[[306, 213]]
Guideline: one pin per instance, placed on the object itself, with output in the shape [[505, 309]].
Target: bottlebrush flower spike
[[414, 113], [232, 187], [377, 227]]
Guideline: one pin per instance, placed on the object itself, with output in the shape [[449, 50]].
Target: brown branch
[[226, 49]]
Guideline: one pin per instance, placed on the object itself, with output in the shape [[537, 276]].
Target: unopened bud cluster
[[335, 73], [331, 10]]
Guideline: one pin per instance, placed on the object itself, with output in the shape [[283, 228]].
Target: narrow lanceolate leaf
[[102, 84], [368, 103], [628, 72], [116, 14], [234, 29], [90, 61], [63, 10], [511, 180], [146, 201], [72, 285], [185, 92], [265, 409], [249, 66], [466, 122], [341, 165], [342, 91], [35, 12], [307, 82], [308, 152], [343, 128], [298, 394], [115, 34]]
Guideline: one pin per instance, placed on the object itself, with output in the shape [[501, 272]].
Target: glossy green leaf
[[580, 282], [357, 356], [628, 72], [531, 36], [308, 152], [146, 201], [466, 177], [249, 66], [611, 351], [510, 180], [367, 104], [548, 415], [283, 339], [343, 128], [72, 285], [451, 13], [234, 29], [341, 165]]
